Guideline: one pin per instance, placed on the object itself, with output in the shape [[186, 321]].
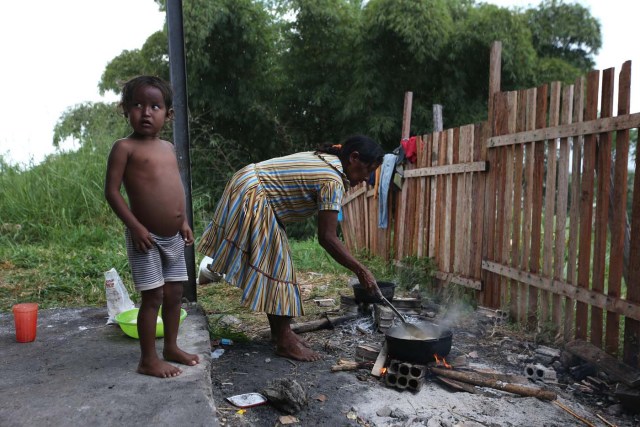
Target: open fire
[[442, 362]]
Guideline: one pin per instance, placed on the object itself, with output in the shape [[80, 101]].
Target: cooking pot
[[418, 342], [361, 294]]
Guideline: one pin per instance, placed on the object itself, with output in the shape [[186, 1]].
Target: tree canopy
[[269, 77]]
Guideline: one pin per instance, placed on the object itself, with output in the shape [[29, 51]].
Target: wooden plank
[[409, 214], [381, 360], [422, 193], [466, 155], [603, 172], [406, 114], [401, 224], [528, 198], [488, 248], [618, 305], [354, 194], [457, 279], [550, 201], [588, 127], [618, 216], [609, 364], [510, 287], [574, 212], [365, 220], [477, 206], [442, 203], [448, 238], [518, 296], [536, 215], [372, 222], [495, 73], [447, 169], [433, 206], [632, 327], [456, 199], [501, 127], [562, 205], [586, 204]]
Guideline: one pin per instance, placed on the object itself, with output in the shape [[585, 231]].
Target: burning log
[[473, 378], [376, 371]]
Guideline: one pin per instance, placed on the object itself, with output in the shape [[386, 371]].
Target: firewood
[[314, 325], [376, 371], [609, 364], [476, 379], [349, 365], [569, 411], [367, 352], [458, 385]]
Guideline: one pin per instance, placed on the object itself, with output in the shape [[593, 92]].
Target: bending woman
[[247, 239]]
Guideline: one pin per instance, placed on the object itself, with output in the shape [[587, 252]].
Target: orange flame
[[383, 371], [442, 362]]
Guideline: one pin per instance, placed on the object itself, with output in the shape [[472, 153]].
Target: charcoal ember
[[286, 394]]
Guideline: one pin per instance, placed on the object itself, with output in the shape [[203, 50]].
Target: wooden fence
[[528, 209]]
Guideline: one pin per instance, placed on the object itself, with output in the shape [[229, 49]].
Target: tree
[[270, 77], [320, 65], [402, 41], [464, 65], [565, 31]]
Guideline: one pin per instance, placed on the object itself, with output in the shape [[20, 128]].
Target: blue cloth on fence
[[388, 166]]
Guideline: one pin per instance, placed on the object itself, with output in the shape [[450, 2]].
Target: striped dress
[[246, 237]]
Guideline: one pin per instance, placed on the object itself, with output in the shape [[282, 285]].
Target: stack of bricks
[[405, 376]]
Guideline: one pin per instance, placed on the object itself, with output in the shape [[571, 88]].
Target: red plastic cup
[[26, 319]]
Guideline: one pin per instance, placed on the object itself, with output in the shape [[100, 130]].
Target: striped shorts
[[164, 262]]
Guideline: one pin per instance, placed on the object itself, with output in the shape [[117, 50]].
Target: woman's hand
[[368, 281]]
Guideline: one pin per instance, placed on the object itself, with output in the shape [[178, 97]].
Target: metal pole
[[177, 69]]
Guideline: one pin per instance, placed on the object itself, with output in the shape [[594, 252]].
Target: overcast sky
[[54, 53]]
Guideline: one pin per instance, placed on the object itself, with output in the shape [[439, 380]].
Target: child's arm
[[115, 172]]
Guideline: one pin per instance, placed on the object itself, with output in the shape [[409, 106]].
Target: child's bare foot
[[180, 356], [158, 368]]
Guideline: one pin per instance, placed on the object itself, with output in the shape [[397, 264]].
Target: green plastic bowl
[[128, 321]]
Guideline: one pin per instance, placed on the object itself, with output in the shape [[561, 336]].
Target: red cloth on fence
[[409, 147]]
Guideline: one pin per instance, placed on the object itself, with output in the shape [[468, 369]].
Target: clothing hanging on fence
[[410, 151], [386, 174]]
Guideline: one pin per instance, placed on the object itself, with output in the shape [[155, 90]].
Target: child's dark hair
[[130, 87], [370, 151]]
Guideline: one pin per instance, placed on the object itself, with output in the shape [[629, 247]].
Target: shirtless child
[[157, 229]]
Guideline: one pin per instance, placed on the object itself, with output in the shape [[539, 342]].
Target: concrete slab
[[80, 371]]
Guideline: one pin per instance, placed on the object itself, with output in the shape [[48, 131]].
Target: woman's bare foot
[[291, 347], [301, 340], [182, 357], [158, 368]]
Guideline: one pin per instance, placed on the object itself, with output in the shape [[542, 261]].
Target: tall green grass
[[58, 235]]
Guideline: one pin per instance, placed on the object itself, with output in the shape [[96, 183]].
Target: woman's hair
[[370, 151], [130, 87]]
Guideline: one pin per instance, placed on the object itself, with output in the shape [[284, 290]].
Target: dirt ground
[[352, 398]]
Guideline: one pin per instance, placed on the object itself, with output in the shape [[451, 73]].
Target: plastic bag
[[117, 296]]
